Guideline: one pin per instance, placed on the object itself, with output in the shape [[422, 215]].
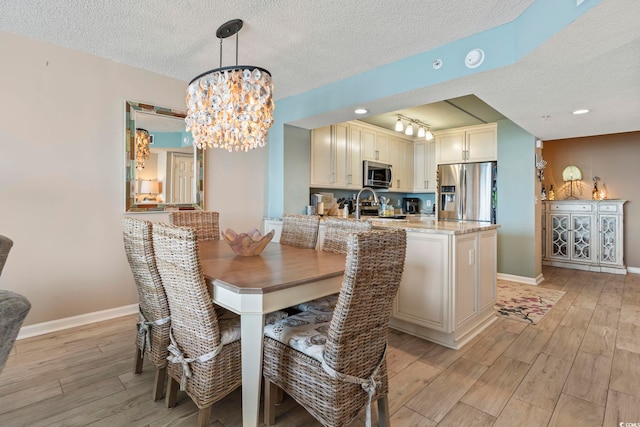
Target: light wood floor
[[579, 366]]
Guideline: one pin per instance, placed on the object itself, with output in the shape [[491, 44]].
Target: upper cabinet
[[375, 146], [400, 155], [469, 144], [335, 157], [337, 153], [424, 167]]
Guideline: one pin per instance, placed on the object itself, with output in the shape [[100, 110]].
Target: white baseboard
[[73, 321], [633, 270], [521, 279]]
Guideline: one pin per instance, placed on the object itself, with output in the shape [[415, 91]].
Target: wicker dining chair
[[152, 338], [335, 365], [337, 232], [206, 223], [5, 246], [300, 231], [205, 356]]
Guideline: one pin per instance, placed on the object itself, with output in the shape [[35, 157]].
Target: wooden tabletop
[[277, 267]]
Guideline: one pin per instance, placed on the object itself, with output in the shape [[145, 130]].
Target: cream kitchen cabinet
[[468, 144], [375, 146], [424, 169], [448, 286], [335, 157], [584, 234], [400, 154]]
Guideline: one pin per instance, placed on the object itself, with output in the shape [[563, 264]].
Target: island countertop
[[434, 227]]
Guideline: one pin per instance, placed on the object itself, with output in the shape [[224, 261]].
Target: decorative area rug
[[526, 303]]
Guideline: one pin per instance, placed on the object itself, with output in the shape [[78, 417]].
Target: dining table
[[252, 286]]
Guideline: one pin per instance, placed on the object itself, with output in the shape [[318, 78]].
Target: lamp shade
[[150, 187], [571, 173]]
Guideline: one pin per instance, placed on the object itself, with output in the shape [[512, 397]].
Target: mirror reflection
[[164, 171]]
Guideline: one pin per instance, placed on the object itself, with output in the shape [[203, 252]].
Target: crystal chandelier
[[142, 147], [230, 107]]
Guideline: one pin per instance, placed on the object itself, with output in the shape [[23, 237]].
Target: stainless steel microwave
[[377, 175]]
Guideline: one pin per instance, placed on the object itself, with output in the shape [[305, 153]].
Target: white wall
[[62, 175]]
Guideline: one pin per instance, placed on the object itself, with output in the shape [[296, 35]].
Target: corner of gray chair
[[13, 309], [5, 247]]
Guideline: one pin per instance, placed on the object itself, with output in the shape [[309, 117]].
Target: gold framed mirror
[[163, 170]]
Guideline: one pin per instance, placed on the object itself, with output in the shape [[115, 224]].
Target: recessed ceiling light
[[361, 111], [581, 111]]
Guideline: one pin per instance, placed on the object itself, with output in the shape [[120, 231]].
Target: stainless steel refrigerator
[[467, 192]]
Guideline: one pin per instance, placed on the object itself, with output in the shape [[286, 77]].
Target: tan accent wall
[[62, 175], [616, 160]]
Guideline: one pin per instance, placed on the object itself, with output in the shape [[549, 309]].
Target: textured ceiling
[[593, 63]]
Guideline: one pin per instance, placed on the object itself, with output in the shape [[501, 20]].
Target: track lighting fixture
[[424, 130], [399, 125], [409, 129]]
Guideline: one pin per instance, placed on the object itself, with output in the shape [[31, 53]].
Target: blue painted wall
[[516, 197], [167, 140]]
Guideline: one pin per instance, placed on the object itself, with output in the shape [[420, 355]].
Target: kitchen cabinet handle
[[426, 184], [398, 183], [377, 155]]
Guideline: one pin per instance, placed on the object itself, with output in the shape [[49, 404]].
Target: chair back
[[194, 324], [300, 231], [5, 246], [337, 231], [138, 245], [13, 309], [206, 223], [358, 332]]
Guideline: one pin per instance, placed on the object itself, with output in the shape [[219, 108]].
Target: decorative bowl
[[247, 244]]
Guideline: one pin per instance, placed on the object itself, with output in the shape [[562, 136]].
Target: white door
[[182, 178]]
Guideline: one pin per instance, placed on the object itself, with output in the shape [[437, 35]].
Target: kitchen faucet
[[375, 198]]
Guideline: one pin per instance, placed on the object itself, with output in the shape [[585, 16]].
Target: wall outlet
[[428, 203]]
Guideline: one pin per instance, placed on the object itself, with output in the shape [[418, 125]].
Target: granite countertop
[[434, 227], [425, 224]]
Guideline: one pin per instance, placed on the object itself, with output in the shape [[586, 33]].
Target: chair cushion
[[229, 323], [324, 304], [305, 332]]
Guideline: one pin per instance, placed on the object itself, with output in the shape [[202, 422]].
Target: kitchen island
[[448, 287]]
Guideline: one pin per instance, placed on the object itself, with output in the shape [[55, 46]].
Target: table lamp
[[151, 188], [571, 174]]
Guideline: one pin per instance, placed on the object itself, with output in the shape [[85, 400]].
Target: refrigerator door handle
[[463, 194]]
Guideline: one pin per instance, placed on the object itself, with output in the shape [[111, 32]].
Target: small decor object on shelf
[[595, 194], [552, 193], [543, 195], [247, 244]]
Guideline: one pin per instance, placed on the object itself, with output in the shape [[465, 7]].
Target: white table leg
[[252, 326]]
